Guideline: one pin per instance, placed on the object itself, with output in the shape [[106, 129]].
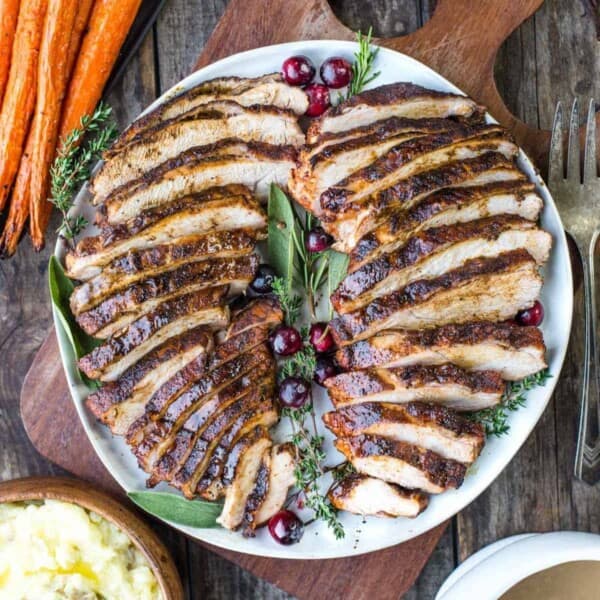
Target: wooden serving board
[[461, 42]]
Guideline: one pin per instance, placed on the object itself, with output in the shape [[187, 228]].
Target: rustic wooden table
[[555, 55]]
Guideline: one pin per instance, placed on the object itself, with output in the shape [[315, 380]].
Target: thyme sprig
[[309, 469], [495, 418], [77, 153], [362, 68], [290, 303], [302, 364]]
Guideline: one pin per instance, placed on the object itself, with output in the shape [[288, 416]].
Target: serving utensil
[[578, 202]]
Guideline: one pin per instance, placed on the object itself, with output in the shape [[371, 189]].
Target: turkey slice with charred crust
[[118, 403], [428, 426], [363, 495], [512, 350], [433, 252], [197, 431], [211, 123], [401, 463], [351, 221], [269, 494], [400, 99], [242, 483], [447, 206], [447, 385], [252, 164], [406, 160], [140, 264], [267, 90], [486, 289], [257, 409], [211, 481], [206, 214], [117, 311], [115, 355]]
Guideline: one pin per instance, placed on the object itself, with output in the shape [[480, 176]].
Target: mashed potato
[[56, 550]]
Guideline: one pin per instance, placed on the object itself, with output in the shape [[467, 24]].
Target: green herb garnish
[[495, 418], [174, 508], [61, 288], [362, 68], [73, 163]]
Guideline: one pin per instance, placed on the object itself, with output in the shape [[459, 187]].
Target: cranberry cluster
[[335, 72]]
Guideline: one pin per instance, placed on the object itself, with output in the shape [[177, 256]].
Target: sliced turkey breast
[[114, 356], [270, 495], [261, 312], [363, 495], [241, 485], [401, 463], [316, 181], [428, 426], [319, 170], [198, 430], [117, 311], [447, 206], [400, 99], [512, 350], [217, 473], [206, 214], [267, 90], [447, 385], [124, 399], [407, 159], [134, 266], [251, 164], [351, 221], [432, 252], [483, 289], [212, 123]]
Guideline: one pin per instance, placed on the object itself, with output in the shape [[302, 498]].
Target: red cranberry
[[286, 528], [286, 340], [318, 99], [336, 72], [325, 369], [298, 70], [318, 240], [532, 316], [294, 392], [263, 280], [320, 337]]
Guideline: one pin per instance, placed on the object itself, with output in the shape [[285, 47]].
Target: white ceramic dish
[[318, 541], [498, 567]]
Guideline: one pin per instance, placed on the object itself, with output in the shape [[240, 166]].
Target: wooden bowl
[[83, 494]]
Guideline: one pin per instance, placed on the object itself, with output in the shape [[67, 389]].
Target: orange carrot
[[19, 205], [52, 84], [81, 20], [9, 11], [19, 98], [108, 26]]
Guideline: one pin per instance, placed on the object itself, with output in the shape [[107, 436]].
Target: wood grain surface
[[554, 55]]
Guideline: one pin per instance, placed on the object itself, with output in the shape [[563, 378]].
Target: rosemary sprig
[[495, 418], [362, 67], [73, 163]]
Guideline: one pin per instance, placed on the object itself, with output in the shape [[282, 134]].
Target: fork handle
[[587, 457]]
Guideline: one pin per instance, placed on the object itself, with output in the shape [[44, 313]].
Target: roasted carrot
[[9, 11], [19, 97], [107, 28], [19, 205], [52, 84], [81, 20]]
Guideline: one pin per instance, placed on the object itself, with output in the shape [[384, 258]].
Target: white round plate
[[375, 533]]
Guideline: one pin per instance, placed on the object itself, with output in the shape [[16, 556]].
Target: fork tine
[[555, 164], [589, 164], [573, 156]]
